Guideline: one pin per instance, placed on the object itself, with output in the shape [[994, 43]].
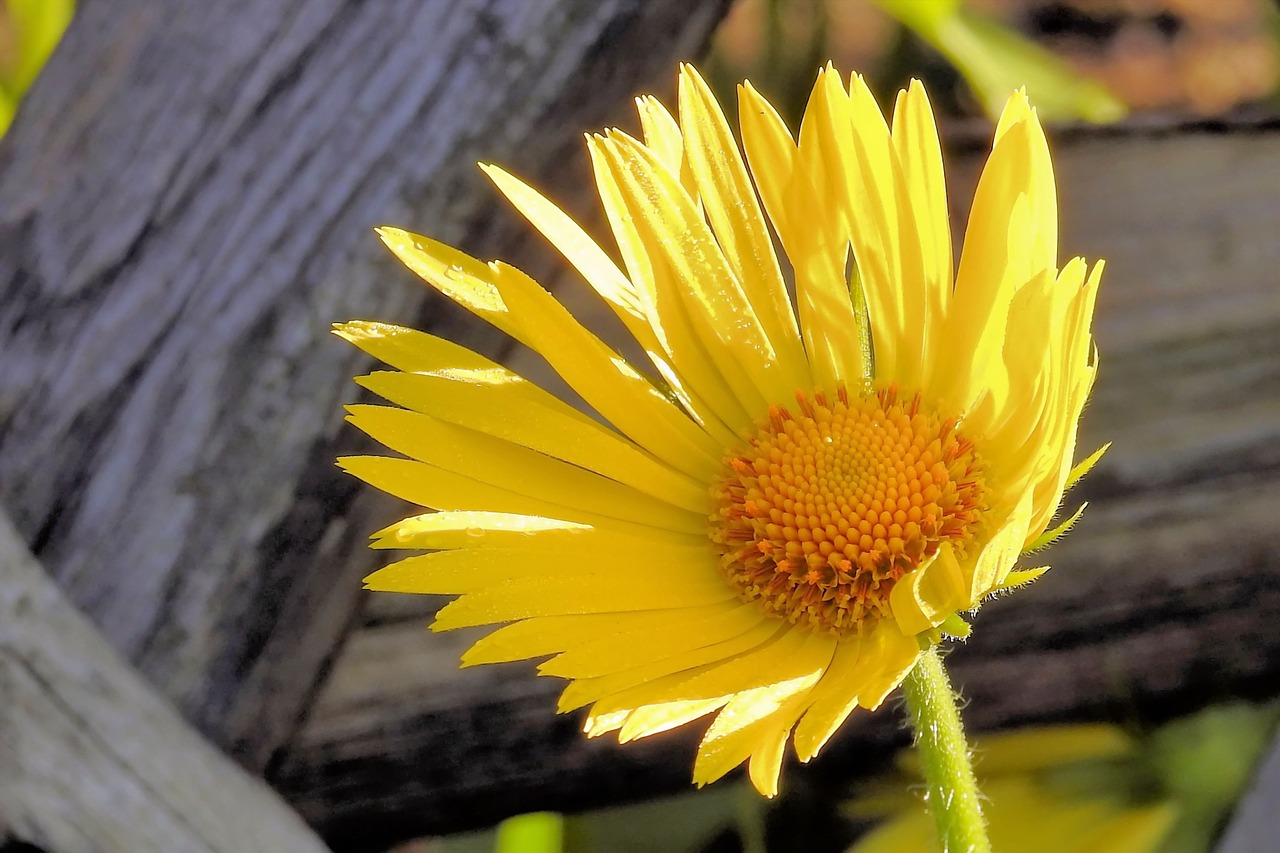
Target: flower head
[[767, 522]]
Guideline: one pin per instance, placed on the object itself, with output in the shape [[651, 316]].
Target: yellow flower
[[794, 494], [1052, 789]]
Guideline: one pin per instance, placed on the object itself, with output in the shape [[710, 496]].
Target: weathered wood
[[185, 206], [93, 758], [1166, 595]]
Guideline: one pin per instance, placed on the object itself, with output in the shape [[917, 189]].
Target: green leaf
[[995, 60], [1205, 762]]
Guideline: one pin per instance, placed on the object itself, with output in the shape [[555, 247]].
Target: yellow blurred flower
[[1055, 789], [774, 516]]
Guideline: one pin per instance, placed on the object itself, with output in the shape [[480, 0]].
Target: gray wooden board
[[92, 758]]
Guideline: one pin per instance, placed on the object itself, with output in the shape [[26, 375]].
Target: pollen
[[829, 506]]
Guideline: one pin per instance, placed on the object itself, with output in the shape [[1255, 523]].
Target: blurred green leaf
[[995, 60], [1205, 761], [922, 14], [535, 833], [539, 832]]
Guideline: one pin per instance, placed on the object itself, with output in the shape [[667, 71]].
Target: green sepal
[[1021, 578], [955, 626], [862, 316], [1085, 466], [1047, 538]]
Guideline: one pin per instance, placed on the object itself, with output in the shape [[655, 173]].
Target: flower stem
[[944, 756]]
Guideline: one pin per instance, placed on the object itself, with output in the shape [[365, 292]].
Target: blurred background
[[184, 208], [1092, 60]]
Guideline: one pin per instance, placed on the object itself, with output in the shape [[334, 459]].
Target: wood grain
[[185, 206], [93, 758], [1165, 597]]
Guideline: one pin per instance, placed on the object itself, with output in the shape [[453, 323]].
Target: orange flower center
[[826, 509]]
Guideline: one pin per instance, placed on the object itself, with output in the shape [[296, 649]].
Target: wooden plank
[[93, 758], [185, 206], [1165, 597]]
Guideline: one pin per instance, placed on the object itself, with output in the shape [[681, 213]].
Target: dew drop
[[475, 532]]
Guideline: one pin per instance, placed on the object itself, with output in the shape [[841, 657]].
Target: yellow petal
[[517, 305], [439, 488], [632, 305], [1042, 189], [444, 530], [655, 719], [833, 699], [662, 136], [1011, 238], [673, 230], [915, 138], [863, 672], [723, 750], [518, 469], [736, 218], [647, 643], [888, 655], [1001, 552], [771, 152], [794, 658], [410, 350], [578, 248], [764, 767], [926, 596], [710, 396], [547, 635], [883, 233], [557, 596], [587, 559], [497, 403], [584, 691], [818, 248]]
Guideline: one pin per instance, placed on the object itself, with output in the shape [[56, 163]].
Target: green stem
[[944, 756]]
